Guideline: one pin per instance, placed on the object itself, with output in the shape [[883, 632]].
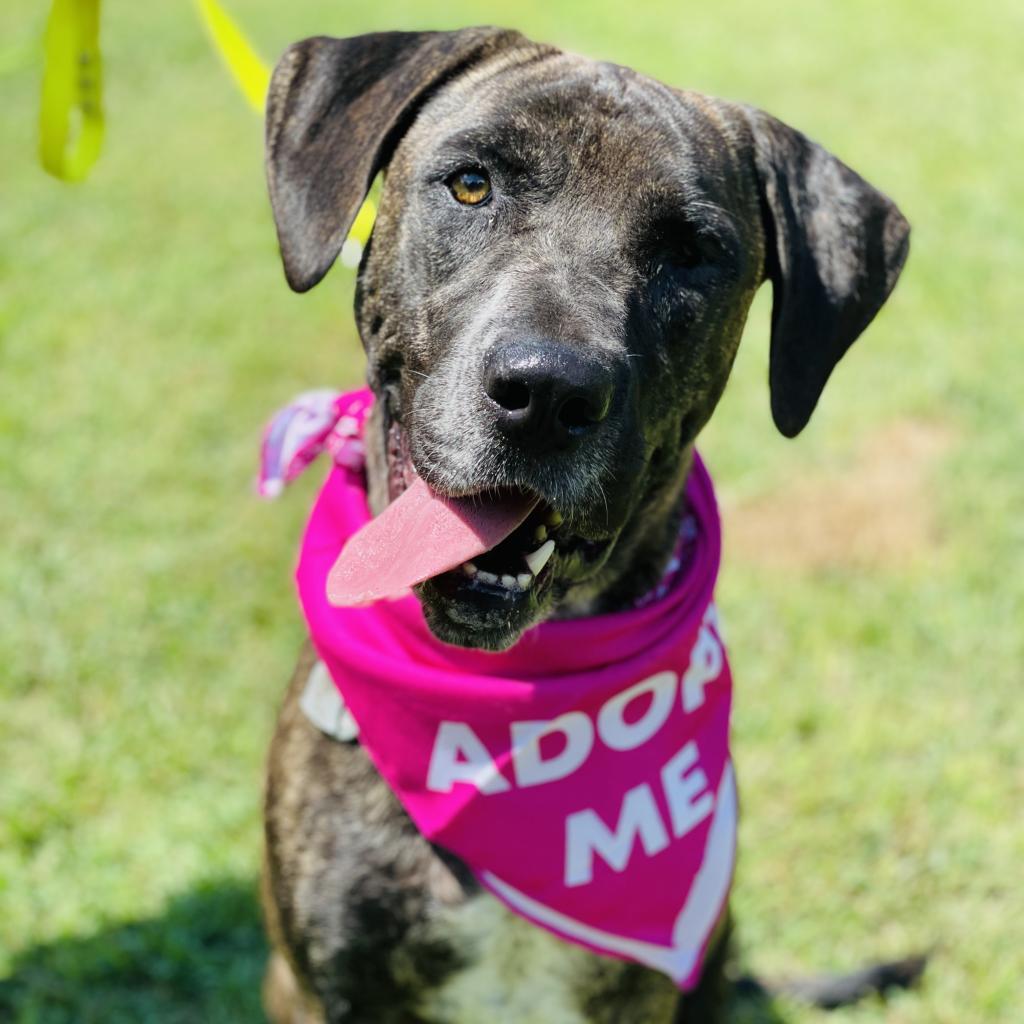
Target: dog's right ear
[[335, 111]]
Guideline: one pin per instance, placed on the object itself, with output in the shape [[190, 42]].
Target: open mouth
[[517, 565], [496, 549], [510, 569]]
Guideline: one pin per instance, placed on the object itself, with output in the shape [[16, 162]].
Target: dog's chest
[[516, 973]]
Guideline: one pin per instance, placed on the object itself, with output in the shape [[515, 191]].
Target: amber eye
[[470, 187]]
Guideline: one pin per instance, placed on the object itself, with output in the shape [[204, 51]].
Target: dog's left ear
[[335, 110], [835, 247]]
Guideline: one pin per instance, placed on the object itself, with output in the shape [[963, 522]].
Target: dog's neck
[[640, 555]]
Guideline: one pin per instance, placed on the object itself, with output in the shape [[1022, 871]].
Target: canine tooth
[[540, 534], [536, 560], [524, 579], [486, 577], [554, 518], [509, 582], [469, 569]]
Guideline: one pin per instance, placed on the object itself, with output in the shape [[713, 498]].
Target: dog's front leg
[[349, 885]]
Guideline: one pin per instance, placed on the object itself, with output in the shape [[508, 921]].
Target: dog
[[559, 274]]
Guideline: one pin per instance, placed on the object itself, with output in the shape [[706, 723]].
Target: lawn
[[874, 584]]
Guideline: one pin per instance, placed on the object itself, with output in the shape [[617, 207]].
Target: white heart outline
[[694, 922]]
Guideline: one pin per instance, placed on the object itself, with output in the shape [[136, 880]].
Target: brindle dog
[[562, 264]]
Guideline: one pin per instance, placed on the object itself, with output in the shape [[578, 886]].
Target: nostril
[[576, 414], [510, 394], [581, 411]]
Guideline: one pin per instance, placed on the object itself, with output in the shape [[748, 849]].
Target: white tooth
[[469, 569], [540, 534], [536, 560], [554, 518], [486, 577], [508, 582], [524, 579]]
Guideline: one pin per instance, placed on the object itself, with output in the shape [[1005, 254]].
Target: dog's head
[[562, 264]]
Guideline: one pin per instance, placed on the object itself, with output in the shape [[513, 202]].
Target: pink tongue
[[419, 535]]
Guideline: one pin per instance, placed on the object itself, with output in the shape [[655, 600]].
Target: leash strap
[[71, 110], [249, 71]]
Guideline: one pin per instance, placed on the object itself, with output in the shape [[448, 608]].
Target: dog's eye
[[470, 186], [683, 254], [676, 246]]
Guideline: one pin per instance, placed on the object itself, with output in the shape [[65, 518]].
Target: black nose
[[544, 394]]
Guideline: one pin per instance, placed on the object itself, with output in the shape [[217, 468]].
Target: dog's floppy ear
[[335, 109], [835, 247]]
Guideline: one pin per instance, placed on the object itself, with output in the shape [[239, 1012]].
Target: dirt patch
[[877, 512]]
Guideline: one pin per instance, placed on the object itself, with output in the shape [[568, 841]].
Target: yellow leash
[[249, 71], [71, 112]]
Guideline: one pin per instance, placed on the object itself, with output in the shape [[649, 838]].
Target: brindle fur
[[628, 218]]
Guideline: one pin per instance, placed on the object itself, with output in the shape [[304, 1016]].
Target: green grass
[[147, 622]]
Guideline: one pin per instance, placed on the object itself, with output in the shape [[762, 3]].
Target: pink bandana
[[584, 775]]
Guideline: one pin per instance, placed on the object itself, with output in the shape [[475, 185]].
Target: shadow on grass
[[201, 960]]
